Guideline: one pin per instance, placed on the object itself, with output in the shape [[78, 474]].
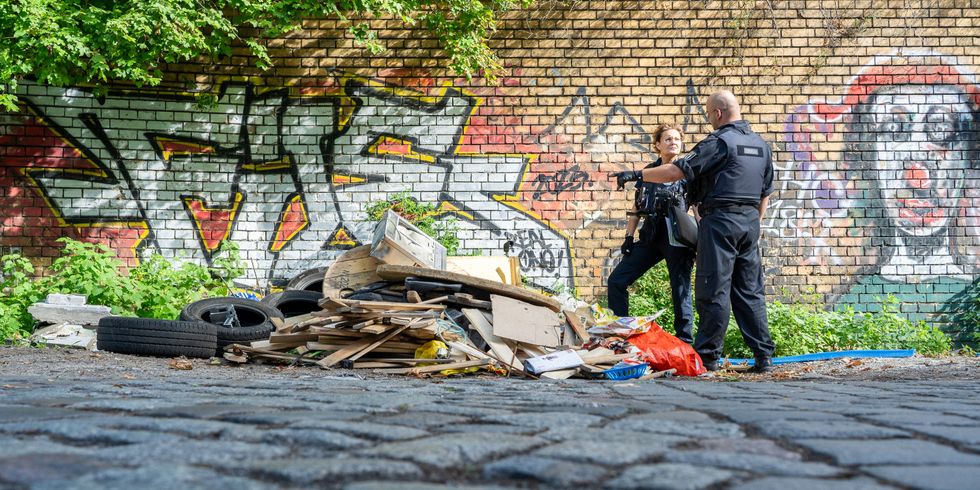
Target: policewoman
[[730, 178], [651, 204]]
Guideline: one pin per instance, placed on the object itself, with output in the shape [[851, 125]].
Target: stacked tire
[[150, 337], [194, 335]]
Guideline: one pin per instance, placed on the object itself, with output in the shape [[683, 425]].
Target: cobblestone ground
[[93, 426]]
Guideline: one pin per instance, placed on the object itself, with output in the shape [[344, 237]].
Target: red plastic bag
[[663, 351]]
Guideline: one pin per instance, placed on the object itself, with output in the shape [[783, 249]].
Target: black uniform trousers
[[729, 279], [654, 246]]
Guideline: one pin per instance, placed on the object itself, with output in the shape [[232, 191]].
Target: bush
[[154, 289], [805, 328]]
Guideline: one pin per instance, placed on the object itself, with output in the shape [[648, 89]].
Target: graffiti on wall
[[287, 174], [888, 171]]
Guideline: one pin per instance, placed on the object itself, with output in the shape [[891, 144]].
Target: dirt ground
[[56, 362]]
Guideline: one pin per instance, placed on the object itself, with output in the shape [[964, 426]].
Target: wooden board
[[525, 323], [576, 323], [495, 268], [352, 270], [500, 349], [400, 272]]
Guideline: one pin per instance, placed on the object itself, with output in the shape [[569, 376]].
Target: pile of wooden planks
[[481, 323]]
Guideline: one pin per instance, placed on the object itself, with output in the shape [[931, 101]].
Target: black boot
[[710, 364], [762, 365]]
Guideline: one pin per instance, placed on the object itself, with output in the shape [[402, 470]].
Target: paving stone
[[191, 428], [561, 474], [545, 420], [659, 441], [785, 482], [154, 476], [11, 446], [457, 409], [932, 477], [19, 413], [401, 485], [309, 471], [281, 417], [668, 476], [200, 410], [141, 405], [763, 447], [455, 450], [682, 416], [29, 469], [910, 418], [825, 429], [501, 428], [755, 463], [888, 451], [750, 415], [366, 430], [208, 453], [609, 452], [86, 431], [964, 435], [650, 423], [313, 438], [424, 420]]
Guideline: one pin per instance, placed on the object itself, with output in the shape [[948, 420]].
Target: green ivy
[[157, 288], [78, 42]]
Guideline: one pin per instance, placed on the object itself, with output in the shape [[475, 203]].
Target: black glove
[[627, 246], [628, 176]]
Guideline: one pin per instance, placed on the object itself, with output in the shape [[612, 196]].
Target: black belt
[[712, 209]]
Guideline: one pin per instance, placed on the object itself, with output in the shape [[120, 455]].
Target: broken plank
[[352, 349], [573, 321], [378, 342]]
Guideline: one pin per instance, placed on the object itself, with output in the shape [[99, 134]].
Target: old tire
[[255, 319], [150, 337], [308, 280], [294, 303]]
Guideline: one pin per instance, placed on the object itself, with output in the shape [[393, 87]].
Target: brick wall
[[872, 108]]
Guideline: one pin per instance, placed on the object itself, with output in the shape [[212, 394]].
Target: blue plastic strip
[[823, 356]]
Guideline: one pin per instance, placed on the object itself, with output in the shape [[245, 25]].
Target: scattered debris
[[68, 309], [181, 363], [65, 334]]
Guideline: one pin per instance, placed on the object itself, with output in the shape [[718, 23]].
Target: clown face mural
[[913, 147]]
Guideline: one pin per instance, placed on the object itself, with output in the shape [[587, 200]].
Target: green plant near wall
[[157, 288], [805, 328], [422, 215]]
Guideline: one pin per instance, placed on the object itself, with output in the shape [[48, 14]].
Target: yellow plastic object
[[436, 349]]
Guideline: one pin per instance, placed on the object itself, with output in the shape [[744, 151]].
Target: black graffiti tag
[[533, 252], [571, 179]]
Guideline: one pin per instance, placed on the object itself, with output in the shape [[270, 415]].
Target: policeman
[[730, 178], [652, 201]]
